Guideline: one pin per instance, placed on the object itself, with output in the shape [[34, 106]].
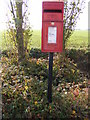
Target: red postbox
[[52, 26]]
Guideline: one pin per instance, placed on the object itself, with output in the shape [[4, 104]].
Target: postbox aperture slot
[[53, 11]]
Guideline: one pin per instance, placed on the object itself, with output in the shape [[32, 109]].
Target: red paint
[[52, 16]]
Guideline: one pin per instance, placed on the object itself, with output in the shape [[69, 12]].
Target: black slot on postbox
[[53, 11]]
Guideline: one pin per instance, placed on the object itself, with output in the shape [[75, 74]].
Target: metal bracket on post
[[49, 92]]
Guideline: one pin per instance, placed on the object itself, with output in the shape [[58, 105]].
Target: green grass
[[1, 39], [36, 39], [4, 42], [78, 40]]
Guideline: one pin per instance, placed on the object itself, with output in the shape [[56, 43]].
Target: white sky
[[36, 15]]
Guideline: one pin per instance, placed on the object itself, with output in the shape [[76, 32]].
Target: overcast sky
[[36, 15]]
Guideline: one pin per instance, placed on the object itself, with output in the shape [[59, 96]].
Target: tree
[[19, 27], [72, 10], [19, 30]]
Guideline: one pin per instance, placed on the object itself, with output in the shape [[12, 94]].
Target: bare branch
[[12, 10]]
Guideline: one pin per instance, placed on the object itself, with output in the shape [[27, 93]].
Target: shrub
[[66, 70], [26, 97], [80, 57], [36, 53], [5, 53], [21, 94], [24, 90]]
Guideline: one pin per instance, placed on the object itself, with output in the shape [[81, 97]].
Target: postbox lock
[[52, 23]]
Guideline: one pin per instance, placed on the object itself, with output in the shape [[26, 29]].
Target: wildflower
[[26, 87], [73, 70], [65, 93], [36, 103], [77, 71], [37, 62], [73, 112], [63, 90], [75, 65]]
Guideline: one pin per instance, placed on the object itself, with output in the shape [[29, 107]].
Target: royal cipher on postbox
[[52, 26]]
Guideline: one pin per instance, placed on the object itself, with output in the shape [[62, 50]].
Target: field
[[0, 39], [36, 39], [78, 40]]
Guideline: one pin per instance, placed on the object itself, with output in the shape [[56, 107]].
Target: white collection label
[[52, 34]]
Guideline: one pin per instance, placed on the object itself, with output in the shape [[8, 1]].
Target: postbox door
[[52, 39]]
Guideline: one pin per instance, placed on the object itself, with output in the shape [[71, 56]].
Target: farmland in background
[[36, 39], [78, 40], [1, 39]]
